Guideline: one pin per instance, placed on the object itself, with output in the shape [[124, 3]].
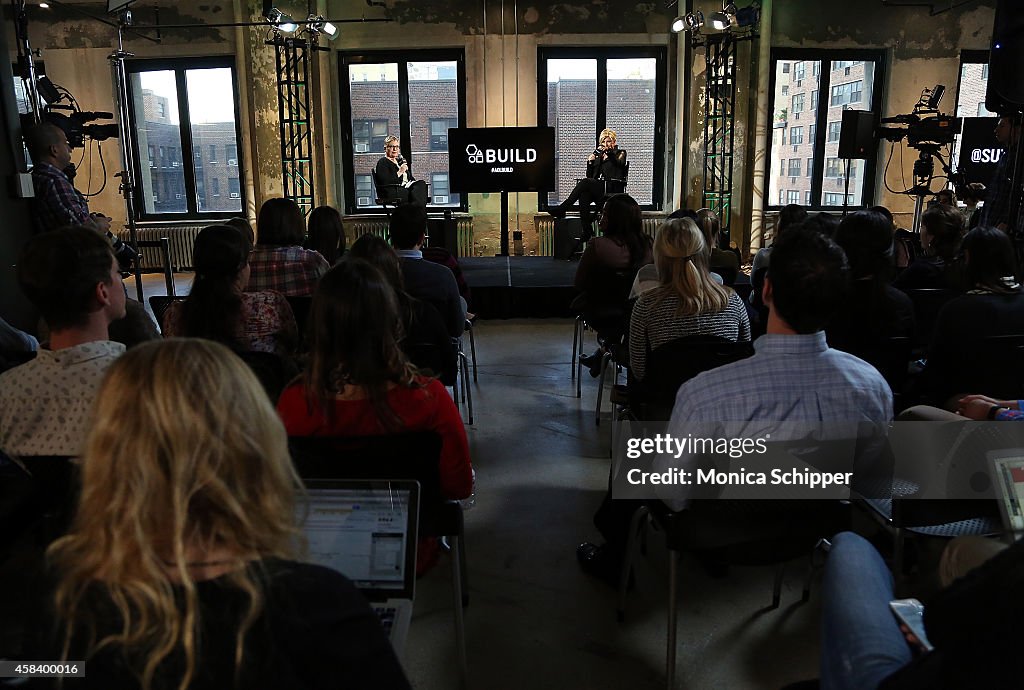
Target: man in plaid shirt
[[57, 203]]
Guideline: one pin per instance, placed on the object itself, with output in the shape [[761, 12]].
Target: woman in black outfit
[[606, 174], [176, 572], [394, 179]]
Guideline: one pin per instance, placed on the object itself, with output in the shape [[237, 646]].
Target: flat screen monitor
[[502, 159], [979, 150], [117, 5]]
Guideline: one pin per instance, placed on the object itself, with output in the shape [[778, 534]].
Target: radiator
[[357, 226], [545, 226], [181, 238]]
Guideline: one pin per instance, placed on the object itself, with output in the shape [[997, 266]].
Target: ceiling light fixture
[[691, 21], [281, 21], [318, 25]]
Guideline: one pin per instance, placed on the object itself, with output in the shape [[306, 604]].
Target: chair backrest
[[891, 357], [384, 195], [160, 304], [415, 455], [674, 363], [300, 305], [273, 371]]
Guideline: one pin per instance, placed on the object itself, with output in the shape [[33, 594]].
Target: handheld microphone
[[400, 160]]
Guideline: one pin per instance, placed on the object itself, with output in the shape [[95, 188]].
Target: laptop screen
[[1009, 479], [366, 531]]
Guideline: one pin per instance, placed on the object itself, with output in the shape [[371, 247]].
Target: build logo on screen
[[492, 156]]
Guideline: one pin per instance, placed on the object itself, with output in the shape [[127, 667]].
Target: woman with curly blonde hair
[[688, 301], [175, 573]]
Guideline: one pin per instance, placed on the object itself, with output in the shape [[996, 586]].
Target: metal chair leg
[[670, 661], [579, 364], [606, 358], [472, 346], [575, 343], [460, 624], [467, 393], [780, 571], [638, 524]]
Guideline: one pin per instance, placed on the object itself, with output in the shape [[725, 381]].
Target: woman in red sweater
[[359, 382]]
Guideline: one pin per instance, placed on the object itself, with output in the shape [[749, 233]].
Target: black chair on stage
[[387, 194], [409, 456]]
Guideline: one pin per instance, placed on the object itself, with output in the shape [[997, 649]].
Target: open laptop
[[367, 530], [1008, 478]]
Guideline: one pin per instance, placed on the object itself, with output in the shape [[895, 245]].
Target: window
[[785, 68], [830, 90], [799, 70], [793, 196], [807, 198], [785, 90], [796, 135], [440, 191], [231, 152], [439, 133], [832, 199], [416, 98], [782, 196], [850, 92], [583, 90], [794, 167], [183, 114]]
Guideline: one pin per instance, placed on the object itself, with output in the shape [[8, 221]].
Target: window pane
[[433, 107], [796, 82], [630, 112], [161, 177], [572, 111], [373, 93], [851, 83], [211, 105]]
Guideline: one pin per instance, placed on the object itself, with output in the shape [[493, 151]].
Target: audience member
[[974, 193], [993, 306], [440, 255], [72, 278], [135, 328], [245, 227], [974, 625], [790, 216], [996, 211], [942, 228], [793, 376], [176, 571], [217, 308], [425, 340], [721, 262], [15, 340], [326, 233], [279, 263], [688, 302], [826, 224], [607, 269], [425, 280], [359, 382], [57, 203], [946, 197], [872, 311]]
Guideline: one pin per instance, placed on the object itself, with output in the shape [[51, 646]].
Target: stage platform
[[506, 287]]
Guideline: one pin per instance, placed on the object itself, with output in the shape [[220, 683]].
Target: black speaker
[[565, 234], [1005, 92], [857, 136]]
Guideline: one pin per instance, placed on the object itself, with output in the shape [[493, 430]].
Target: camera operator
[[606, 174], [996, 211]]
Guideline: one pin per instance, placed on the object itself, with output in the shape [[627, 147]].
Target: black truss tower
[[294, 116], [719, 132]]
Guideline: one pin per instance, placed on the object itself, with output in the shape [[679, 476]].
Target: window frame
[[820, 116], [602, 54], [181, 65], [363, 57]]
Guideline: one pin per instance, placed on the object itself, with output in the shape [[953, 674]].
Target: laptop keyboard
[[386, 615]]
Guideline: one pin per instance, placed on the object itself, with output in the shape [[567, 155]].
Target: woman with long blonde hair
[[687, 301], [175, 573]]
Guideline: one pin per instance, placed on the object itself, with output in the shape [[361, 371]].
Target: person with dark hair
[[393, 176], [993, 306], [873, 311], [359, 382], [823, 223], [217, 309], [996, 211], [326, 233], [721, 262], [791, 216], [433, 283], [942, 228], [135, 327], [57, 203], [425, 339], [607, 269], [606, 174], [72, 278], [243, 226], [279, 262], [179, 568]]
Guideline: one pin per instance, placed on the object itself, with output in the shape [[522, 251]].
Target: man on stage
[[393, 178], [606, 174]]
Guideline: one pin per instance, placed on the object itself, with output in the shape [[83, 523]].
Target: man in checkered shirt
[[57, 204]]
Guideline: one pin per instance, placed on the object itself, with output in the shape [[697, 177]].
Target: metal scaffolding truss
[[719, 118], [294, 115]]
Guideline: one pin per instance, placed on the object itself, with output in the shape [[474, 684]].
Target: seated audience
[[946, 197], [135, 328], [279, 262], [217, 308], [243, 226], [994, 306], [426, 280], [425, 341], [72, 278], [15, 340], [688, 302], [326, 233], [359, 383], [872, 311], [722, 262], [177, 571], [974, 625], [790, 216], [974, 193], [440, 255], [982, 407], [607, 269], [941, 230]]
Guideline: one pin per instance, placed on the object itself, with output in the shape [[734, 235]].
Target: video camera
[[926, 128], [76, 128]]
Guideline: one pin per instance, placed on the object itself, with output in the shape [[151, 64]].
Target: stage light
[[720, 21], [44, 5], [318, 25], [691, 21], [678, 24], [281, 21]]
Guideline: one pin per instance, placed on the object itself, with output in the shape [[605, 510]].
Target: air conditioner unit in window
[[441, 199], [179, 196], [799, 82], [847, 71], [362, 148], [152, 164], [363, 201], [233, 161], [175, 164], [234, 195]]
